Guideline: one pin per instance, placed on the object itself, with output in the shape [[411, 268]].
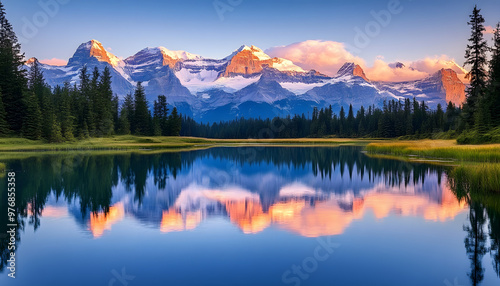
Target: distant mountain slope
[[248, 83]]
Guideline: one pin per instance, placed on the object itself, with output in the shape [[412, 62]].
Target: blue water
[[246, 216]]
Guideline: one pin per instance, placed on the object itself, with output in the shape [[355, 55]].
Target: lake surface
[[245, 216]]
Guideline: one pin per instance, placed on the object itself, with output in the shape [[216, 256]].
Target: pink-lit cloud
[[412, 70], [328, 56], [431, 65], [489, 30], [54, 62], [324, 56], [382, 71]]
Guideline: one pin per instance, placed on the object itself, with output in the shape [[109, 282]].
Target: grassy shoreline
[[476, 168], [477, 165], [128, 142], [437, 150], [415, 150]]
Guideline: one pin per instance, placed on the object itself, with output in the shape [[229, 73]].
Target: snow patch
[[299, 87], [179, 55], [286, 65]]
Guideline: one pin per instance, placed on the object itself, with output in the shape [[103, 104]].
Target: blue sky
[[422, 29]]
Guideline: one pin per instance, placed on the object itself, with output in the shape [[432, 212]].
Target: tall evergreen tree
[[342, 124], [475, 56], [48, 113], [104, 105], [128, 110], [4, 126], [493, 89], [439, 118], [55, 132], [43, 93], [12, 74], [95, 104], [85, 105], [408, 117], [350, 122], [450, 117], [124, 122], [115, 106], [142, 117], [156, 119], [175, 123], [66, 116], [36, 82], [163, 114], [32, 128]]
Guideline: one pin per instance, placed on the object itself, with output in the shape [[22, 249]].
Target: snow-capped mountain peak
[[160, 56], [352, 69], [397, 65], [457, 68], [179, 55], [251, 60], [249, 83], [93, 49], [30, 61]]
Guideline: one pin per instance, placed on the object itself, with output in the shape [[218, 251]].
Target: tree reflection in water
[[88, 180]]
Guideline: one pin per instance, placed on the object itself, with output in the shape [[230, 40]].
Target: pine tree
[[142, 117], [32, 128], [163, 114], [350, 122], [440, 118], [115, 106], [385, 125], [493, 89], [408, 117], [129, 107], [55, 132], [449, 117], [87, 116], [156, 119], [175, 123], [12, 74], [43, 93], [36, 82], [84, 133], [104, 104], [360, 119], [66, 117], [124, 123], [47, 111], [475, 56], [342, 124], [4, 126]]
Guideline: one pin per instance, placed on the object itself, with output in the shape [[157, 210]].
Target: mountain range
[[248, 83]]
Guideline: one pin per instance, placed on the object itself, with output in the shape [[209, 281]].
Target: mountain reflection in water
[[306, 192]]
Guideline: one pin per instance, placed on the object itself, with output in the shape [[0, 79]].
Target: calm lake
[[245, 216]]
